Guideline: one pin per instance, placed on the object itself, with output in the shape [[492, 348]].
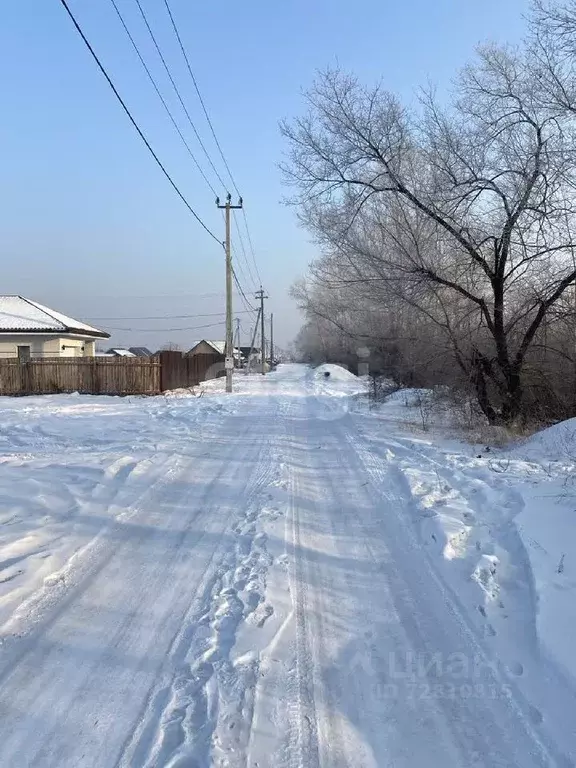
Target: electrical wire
[[242, 294], [232, 247], [207, 116], [250, 309], [251, 246], [168, 330], [133, 121], [215, 137], [241, 291], [214, 295], [243, 251], [162, 99], [240, 268], [177, 91], [167, 317]]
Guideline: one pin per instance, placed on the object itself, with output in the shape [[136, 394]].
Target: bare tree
[[464, 213]]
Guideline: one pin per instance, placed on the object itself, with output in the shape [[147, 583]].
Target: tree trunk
[[512, 406], [479, 382]]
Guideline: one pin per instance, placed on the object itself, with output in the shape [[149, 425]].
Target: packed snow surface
[[279, 577]]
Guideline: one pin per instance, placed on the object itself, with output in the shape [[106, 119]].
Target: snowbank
[[338, 383], [548, 531], [336, 372], [547, 528], [500, 527], [556, 443]]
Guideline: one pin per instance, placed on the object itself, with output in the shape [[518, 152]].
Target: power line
[[240, 267], [175, 28], [167, 330], [242, 294], [168, 317], [176, 89], [250, 244], [243, 276], [216, 294], [162, 99], [241, 291], [134, 123], [243, 250], [215, 137]]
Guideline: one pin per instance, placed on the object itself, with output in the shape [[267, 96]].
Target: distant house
[[29, 329], [119, 352], [254, 357], [140, 351], [206, 347]]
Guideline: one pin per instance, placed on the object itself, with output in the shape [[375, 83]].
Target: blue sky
[[90, 226]]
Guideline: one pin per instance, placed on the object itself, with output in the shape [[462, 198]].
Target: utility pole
[[237, 340], [229, 349], [260, 295], [252, 342], [271, 338]]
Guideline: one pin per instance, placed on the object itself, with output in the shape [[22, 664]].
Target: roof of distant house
[[218, 346], [119, 352], [20, 315], [140, 351]]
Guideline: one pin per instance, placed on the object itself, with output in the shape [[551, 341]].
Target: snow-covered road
[[239, 582]]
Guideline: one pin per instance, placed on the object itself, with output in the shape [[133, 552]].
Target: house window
[[23, 354]]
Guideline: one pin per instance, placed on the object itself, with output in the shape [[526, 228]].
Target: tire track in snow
[[292, 690], [303, 738], [363, 552], [76, 691], [44, 606], [201, 527], [205, 520], [183, 722]]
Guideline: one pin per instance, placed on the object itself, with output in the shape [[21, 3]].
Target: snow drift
[[336, 372], [556, 443]]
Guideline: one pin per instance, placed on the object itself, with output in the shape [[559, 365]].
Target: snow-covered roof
[[217, 346], [21, 315], [119, 352], [140, 351]]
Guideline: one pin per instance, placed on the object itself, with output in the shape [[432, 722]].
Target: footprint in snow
[[536, 716], [517, 669]]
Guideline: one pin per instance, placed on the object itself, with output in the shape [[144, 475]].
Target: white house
[[29, 329]]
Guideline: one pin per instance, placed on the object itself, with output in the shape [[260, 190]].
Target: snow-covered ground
[[280, 577]]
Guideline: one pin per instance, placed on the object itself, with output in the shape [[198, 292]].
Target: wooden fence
[[106, 376], [178, 370]]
